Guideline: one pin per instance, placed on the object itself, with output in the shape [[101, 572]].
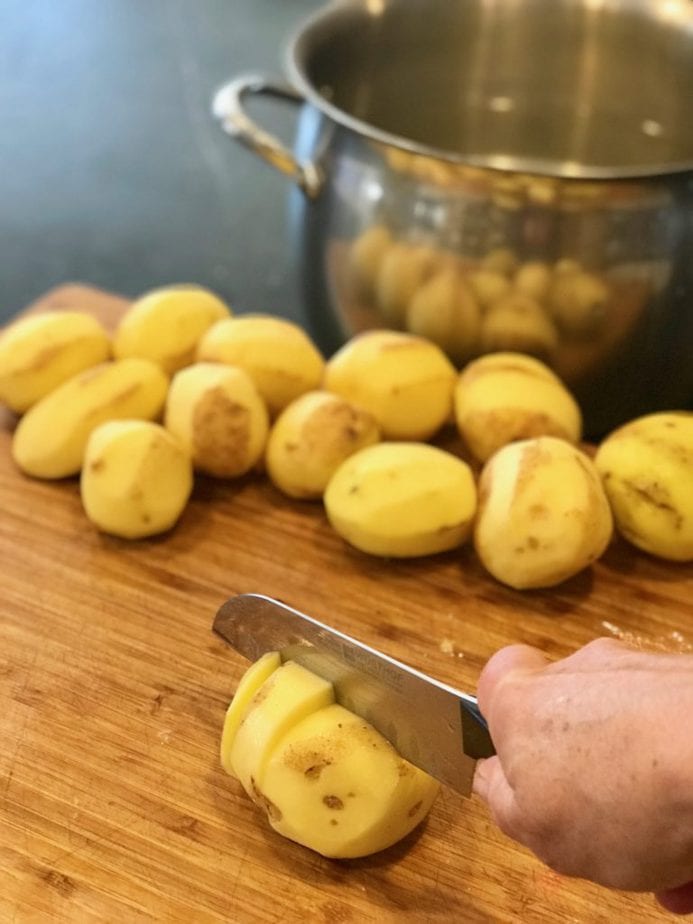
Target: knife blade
[[431, 724]]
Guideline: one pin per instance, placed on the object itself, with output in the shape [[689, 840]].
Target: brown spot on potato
[[259, 798], [333, 802], [221, 434], [333, 821], [97, 465], [414, 809], [657, 496], [313, 772], [532, 542]]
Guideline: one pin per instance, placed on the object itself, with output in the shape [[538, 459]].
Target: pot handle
[[227, 106]]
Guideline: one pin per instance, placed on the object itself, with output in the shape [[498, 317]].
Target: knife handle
[[476, 739]]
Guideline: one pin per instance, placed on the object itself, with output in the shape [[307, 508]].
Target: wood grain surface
[[113, 806]]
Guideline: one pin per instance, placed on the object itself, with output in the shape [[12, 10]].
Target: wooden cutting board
[[113, 807]]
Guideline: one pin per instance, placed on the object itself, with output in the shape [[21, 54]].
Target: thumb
[[504, 662]]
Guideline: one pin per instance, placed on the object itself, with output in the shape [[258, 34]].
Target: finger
[[491, 784], [509, 659], [678, 901]]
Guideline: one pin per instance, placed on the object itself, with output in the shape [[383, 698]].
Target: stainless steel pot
[[497, 175]]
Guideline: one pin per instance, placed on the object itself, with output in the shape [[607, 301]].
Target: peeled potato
[[324, 776], [488, 286], [500, 260], [543, 515], [51, 438], [277, 354], [403, 268], [311, 438], [578, 302], [404, 381], [646, 468], [533, 278], [40, 352], [517, 322], [445, 311], [366, 257], [217, 414], [402, 500], [136, 479], [508, 396], [165, 325]]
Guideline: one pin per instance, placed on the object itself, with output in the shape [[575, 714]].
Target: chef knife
[[432, 725]]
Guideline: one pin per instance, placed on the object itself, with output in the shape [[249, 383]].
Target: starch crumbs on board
[[448, 647], [674, 641]]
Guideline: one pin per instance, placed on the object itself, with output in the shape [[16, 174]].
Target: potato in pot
[[325, 777]]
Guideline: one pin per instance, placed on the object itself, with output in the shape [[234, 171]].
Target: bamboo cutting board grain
[[113, 807]]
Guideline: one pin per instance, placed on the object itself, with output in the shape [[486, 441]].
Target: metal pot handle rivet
[[227, 106]]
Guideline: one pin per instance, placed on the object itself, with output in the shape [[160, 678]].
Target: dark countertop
[[113, 170]]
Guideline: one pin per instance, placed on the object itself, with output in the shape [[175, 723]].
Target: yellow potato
[[40, 352], [404, 381], [508, 396], [533, 278], [646, 467], [578, 302], [366, 256], [500, 260], [403, 269], [165, 325], [488, 286], [136, 478], [518, 323], [543, 515], [324, 776], [51, 438], [402, 500], [445, 311], [310, 440], [249, 685], [289, 694], [217, 414], [277, 354]]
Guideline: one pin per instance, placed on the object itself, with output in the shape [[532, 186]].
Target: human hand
[[594, 765]]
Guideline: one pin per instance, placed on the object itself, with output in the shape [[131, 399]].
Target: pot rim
[[299, 47]]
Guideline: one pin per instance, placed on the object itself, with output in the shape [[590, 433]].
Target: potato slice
[[136, 479], [509, 396], [402, 500], [646, 468], [543, 515], [40, 352], [219, 417], [277, 354], [250, 683], [289, 694], [51, 438], [310, 440], [404, 381], [165, 325]]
